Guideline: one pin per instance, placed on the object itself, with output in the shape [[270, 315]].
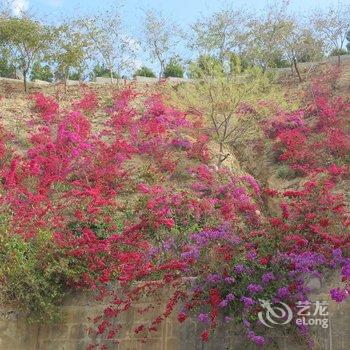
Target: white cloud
[[19, 6]]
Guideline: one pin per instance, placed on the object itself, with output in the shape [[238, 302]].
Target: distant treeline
[[227, 41]]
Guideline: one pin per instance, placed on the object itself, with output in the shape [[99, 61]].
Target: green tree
[[237, 63], [205, 65], [279, 60], [174, 69], [298, 43], [144, 72], [221, 97], [41, 72], [69, 51], [219, 34], [102, 71], [26, 40]]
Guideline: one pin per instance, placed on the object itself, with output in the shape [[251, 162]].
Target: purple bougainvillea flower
[[252, 255], [248, 302], [345, 271], [229, 280], [203, 318], [283, 293], [267, 277], [239, 268], [223, 303], [338, 294], [254, 288], [230, 297], [214, 278], [257, 339]]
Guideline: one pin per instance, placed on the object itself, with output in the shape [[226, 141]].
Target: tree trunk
[[338, 59], [65, 76], [222, 157], [221, 150], [161, 71], [297, 69], [111, 74], [25, 81]]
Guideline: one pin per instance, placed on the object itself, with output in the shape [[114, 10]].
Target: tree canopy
[[26, 41], [174, 69]]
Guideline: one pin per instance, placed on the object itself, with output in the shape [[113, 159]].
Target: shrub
[[35, 274], [144, 72], [102, 71], [285, 172], [174, 69], [312, 137]]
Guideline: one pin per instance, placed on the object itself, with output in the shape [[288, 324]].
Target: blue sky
[[183, 10]]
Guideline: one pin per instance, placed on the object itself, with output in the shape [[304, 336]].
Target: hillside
[[134, 186]]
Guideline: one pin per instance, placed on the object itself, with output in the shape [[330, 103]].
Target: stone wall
[[71, 333]]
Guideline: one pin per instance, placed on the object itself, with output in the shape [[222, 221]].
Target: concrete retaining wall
[[72, 334]]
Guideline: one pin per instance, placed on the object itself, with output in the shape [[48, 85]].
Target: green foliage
[[145, 72], [41, 72], [102, 71], [230, 103], [205, 66], [278, 61], [174, 69], [69, 51], [75, 75], [27, 40], [34, 274], [285, 172], [347, 159], [263, 47], [7, 70], [338, 52], [220, 33], [22, 32], [309, 48], [237, 65]]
